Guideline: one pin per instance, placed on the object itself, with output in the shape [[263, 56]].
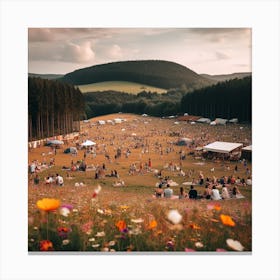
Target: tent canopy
[[88, 143], [248, 148], [55, 142], [222, 147], [233, 120], [70, 150], [204, 120], [220, 121], [183, 141]]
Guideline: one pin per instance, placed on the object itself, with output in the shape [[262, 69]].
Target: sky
[[204, 50]]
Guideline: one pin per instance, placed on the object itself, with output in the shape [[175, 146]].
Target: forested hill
[[158, 73], [227, 77], [230, 99], [45, 76]]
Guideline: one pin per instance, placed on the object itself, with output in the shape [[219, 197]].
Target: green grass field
[[122, 86]]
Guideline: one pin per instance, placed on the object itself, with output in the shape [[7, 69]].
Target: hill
[[157, 73], [45, 76], [227, 77]]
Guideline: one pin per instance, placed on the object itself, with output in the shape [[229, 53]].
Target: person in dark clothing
[[192, 193]]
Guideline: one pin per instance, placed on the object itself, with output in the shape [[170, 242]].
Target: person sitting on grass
[[225, 193], [236, 193], [192, 193], [207, 192], [159, 191], [182, 194], [215, 194], [168, 192]]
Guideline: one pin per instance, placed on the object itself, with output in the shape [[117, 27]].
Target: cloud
[[40, 35], [78, 53], [115, 52], [65, 52], [221, 56]]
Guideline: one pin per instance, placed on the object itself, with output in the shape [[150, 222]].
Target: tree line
[[54, 108], [108, 102], [229, 99]]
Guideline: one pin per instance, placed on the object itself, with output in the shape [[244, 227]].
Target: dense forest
[[54, 108], [158, 73], [107, 102], [230, 99]]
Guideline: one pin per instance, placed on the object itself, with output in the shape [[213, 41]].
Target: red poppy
[[121, 225], [46, 245]]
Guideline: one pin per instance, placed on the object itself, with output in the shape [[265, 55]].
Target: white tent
[[204, 120], [55, 142], [221, 121], [101, 122], [88, 143], [247, 152], [248, 148], [233, 121], [222, 147], [117, 120]]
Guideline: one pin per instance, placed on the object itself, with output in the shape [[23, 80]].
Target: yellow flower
[[124, 207], [227, 220], [48, 204]]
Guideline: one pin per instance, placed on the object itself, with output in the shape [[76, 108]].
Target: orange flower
[[217, 207], [194, 226], [46, 245], [227, 220], [121, 225], [152, 224], [48, 204]]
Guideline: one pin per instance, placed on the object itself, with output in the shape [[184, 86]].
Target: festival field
[[94, 215]]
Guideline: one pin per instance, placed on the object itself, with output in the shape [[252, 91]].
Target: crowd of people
[[140, 153], [211, 193]]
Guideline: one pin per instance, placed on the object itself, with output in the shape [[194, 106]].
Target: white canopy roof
[[222, 147], [248, 148], [220, 121], [204, 120], [88, 143]]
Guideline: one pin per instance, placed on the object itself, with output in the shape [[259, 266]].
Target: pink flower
[[189, 250]]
